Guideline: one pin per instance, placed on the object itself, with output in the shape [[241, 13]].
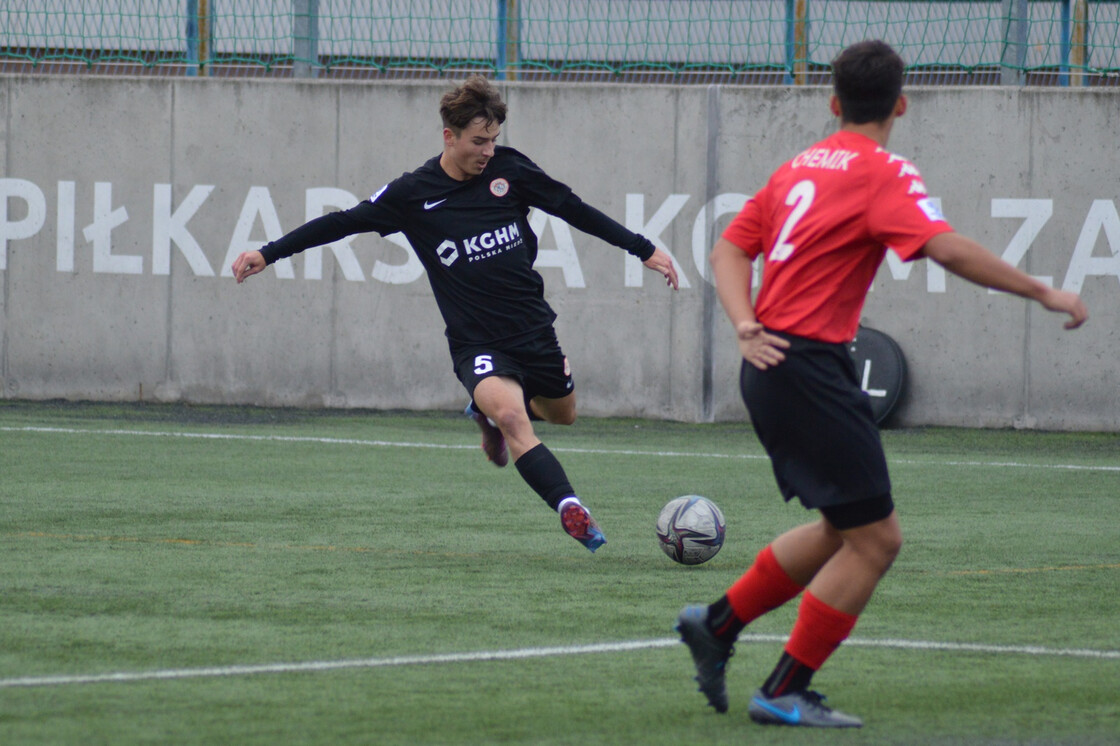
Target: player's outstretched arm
[[320, 231], [582, 216], [966, 258], [248, 264]]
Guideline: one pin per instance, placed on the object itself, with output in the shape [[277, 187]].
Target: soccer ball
[[690, 529]]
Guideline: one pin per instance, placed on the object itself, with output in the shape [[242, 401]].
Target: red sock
[[764, 587], [819, 630]]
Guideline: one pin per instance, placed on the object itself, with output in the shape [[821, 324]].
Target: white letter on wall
[[1036, 213], [258, 202], [30, 224], [702, 240], [100, 234], [564, 255], [1102, 216], [170, 226], [635, 221], [64, 256], [398, 274]]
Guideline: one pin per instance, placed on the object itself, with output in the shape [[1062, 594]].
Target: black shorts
[[817, 427], [536, 362]]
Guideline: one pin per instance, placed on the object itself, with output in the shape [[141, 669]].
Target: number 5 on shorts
[[483, 364]]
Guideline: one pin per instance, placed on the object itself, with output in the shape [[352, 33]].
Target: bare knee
[[889, 549], [511, 420], [890, 536], [886, 549], [879, 543]]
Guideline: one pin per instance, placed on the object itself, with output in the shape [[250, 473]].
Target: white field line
[[518, 654], [452, 447]]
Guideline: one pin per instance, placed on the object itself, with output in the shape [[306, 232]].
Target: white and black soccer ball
[[690, 529]]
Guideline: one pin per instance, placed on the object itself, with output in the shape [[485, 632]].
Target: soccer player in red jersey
[[824, 223]]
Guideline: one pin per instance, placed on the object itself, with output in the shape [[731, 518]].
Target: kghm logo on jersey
[[448, 252], [482, 246], [499, 187]]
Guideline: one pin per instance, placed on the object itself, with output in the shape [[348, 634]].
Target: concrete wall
[[125, 200]]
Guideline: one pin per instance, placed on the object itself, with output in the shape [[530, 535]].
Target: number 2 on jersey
[[800, 198]]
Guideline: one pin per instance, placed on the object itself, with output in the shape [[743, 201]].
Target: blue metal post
[[797, 41], [1063, 67], [508, 52], [198, 36], [192, 37]]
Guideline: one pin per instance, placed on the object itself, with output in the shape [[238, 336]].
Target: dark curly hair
[[475, 98]]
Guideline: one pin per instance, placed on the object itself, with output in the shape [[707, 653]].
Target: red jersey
[[825, 220]]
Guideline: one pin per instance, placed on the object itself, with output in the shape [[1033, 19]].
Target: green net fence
[[1016, 42]]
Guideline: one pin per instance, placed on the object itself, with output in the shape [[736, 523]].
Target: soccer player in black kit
[[465, 214]]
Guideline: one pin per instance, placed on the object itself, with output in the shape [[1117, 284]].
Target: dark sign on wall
[[881, 370]]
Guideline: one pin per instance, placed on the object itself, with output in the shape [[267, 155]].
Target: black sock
[[790, 675], [541, 471], [722, 621]]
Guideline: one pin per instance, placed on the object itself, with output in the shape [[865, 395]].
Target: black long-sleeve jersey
[[473, 238]]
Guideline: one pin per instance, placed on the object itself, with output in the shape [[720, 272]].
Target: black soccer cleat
[[708, 653]]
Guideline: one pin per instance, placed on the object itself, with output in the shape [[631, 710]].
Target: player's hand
[[759, 348], [248, 264], [1063, 301], [663, 263]]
